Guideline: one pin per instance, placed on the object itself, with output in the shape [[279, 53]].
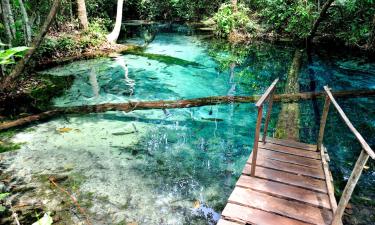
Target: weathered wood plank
[[290, 150], [288, 178], [329, 184], [298, 160], [267, 93], [285, 191], [227, 222], [248, 215], [291, 168], [291, 209], [256, 138], [291, 143]]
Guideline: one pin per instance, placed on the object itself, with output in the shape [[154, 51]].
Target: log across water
[[173, 104]]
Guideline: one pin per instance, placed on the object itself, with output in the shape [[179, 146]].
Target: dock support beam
[[323, 121], [256, 140]]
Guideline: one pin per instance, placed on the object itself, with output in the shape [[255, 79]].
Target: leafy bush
[[65, 44], [227, 20], [295, 18]]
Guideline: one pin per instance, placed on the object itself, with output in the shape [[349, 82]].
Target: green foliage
[[227, 20], [296, 18], [66, 43], [7, 56]]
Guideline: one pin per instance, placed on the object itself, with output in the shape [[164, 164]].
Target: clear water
[[179, 166]]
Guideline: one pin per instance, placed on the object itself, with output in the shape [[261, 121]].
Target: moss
[[169, 60], [6, 147], [49, 87], [5, 144]]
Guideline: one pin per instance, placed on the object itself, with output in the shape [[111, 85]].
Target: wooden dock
[[289, 187], [286, 182]]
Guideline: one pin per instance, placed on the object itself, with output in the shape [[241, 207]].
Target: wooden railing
[[361, 161], [268, 95]]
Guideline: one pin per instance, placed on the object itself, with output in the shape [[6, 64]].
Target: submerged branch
[[173, 104]]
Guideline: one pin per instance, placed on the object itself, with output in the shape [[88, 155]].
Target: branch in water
[[174, 104]]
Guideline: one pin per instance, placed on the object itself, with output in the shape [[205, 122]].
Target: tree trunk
[[25, 19], [319, 19], [188, 103], [8, 83], [235, 5], [371, 40], [287, 124], [7, 23], [82, 14], [112, 37], [7, 8]]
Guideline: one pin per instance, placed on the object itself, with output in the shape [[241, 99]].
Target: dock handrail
[[268, 95], [361, 161]]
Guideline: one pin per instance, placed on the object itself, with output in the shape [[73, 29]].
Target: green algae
[[169, 60], [5, 144], [48, 87]]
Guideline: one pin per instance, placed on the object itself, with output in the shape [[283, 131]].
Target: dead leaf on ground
[[64, 130]]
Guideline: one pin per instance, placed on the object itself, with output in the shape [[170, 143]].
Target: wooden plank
[[256, 138], [291, 209], [248, 215], [359, 137], [298, 160], [227, 222], [291, 143], [291, 168], [288, 178], [329, 184], [290, 150], [267, 93], [285, 191]]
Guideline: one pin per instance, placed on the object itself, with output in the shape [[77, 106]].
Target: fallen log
[[173, 104]]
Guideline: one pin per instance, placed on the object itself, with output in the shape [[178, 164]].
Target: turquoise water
[[179, 166]]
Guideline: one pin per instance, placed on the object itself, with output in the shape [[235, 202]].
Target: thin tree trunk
[[9, 81], [371, 40], [319, 19], [112, 37], [2, 67], [82, 14], [188, 103], [6, 21], [25, 19], [7, 8], [235, 5], [71, 10]]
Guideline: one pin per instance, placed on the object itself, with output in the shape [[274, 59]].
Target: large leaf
[[6, 56]]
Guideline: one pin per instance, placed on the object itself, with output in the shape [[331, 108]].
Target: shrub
[[228, 21]]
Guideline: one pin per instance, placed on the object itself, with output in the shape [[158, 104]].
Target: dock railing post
[[323, 122], [256, 140], [350, 185], [269, 110]]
